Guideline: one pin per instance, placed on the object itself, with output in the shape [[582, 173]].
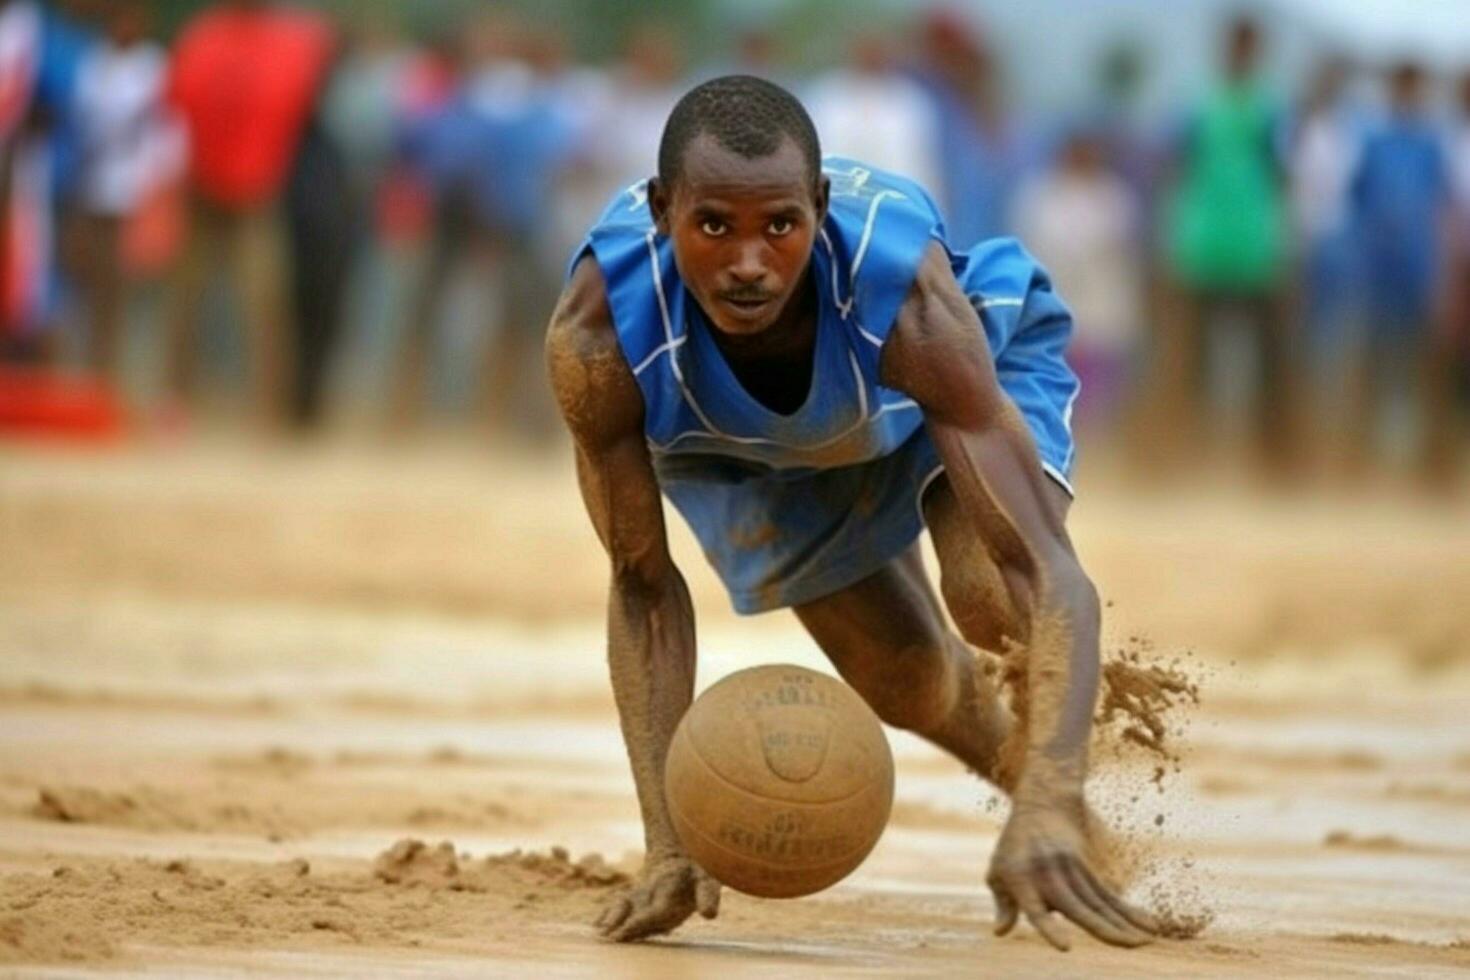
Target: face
[[742, 231], [1406, 88], [129, 25], [1242, 50]]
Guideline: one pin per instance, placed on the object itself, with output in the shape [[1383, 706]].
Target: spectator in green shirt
[[1225, 248]]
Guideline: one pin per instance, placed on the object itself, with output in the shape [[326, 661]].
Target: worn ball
[[779, 781]]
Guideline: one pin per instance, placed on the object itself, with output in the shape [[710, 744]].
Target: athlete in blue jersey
[[789, 351]]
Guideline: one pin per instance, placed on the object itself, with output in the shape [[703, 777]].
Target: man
[[244, 77], [792, 355], [1081, 217], [124, 136], [1225, 248], [1402, 198]]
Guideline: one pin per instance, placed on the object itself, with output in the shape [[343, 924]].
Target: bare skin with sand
[[1008, 571]]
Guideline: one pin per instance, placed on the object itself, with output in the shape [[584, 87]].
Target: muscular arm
[[937, 354], [650, 620]]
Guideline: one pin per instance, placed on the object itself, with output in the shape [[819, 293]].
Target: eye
[[780, 226], [713, 227]]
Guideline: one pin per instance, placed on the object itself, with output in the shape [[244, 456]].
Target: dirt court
[[246, 697]]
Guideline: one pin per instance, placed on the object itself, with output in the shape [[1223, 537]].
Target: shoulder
[[879, 226], [936, 303], [626, 213], [1001, 273], [863, 193], [936, 322], [998, 274], [590, 377], [997, 285], [622, 240], [935, 354]]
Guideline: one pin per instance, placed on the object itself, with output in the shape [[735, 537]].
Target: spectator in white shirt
[[1082, 221], [129, 150], [870, 111]]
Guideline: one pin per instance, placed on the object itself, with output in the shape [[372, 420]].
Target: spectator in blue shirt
[[1400, 195]]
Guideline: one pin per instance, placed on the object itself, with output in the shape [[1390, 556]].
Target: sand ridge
[[94, 910]]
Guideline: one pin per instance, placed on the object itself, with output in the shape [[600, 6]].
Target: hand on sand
[[668, 891], [1038, 868]]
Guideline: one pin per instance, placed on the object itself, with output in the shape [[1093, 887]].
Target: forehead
[[710, 171]]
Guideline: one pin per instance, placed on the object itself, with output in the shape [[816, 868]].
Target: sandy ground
[[245, 696]]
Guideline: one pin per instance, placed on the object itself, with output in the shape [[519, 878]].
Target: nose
[[749, 267]]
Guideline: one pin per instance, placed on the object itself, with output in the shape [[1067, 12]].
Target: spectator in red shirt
[[244, 78]]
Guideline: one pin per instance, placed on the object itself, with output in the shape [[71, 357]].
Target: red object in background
[[245, 81], [39, 403]]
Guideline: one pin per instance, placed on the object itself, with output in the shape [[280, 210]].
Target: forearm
[[995, 475], [1062, 680], [651, 657]]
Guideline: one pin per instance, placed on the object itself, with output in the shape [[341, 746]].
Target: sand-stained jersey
[[792, 507]]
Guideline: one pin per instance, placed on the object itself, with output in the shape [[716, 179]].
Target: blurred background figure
[[531, 139], [390, 194], [131, 153], [642, 87], [493, 156], [870, 111], [1123, 120], [1225, 246], [981, 150], [1081, 219], [25, 185], [758, 52], [362, 110], [1401, 197], [1324, 146], [443, 141], [245, 76], [322, 203], [1457, 325]]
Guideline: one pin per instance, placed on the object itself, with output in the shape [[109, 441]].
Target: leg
[[260, 255], [191, 277], [101, 270], [322, 246], [1177, 367], [1439, 413], [1275, 407], [432, 276], [515, 382], [887, 637], [1363, 415], [500, 365]]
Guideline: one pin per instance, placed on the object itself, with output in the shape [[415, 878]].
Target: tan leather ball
[[779, 781]]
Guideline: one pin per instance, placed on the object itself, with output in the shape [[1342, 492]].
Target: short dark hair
[[746, 115]]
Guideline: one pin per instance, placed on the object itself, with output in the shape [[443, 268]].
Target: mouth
[[746, 307]]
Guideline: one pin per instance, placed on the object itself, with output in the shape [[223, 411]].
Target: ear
[[824, 197], [658, 205]]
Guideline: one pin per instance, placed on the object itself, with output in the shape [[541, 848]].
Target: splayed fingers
[[1064, 885]]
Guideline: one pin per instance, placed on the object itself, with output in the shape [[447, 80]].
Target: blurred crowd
[[303, 215]]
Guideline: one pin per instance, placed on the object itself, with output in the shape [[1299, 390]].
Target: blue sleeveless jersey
[[790, 508]]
